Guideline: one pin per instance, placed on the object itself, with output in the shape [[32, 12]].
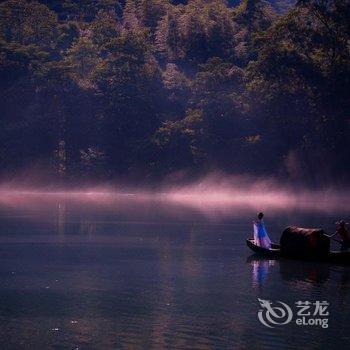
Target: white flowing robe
[[261, 237]]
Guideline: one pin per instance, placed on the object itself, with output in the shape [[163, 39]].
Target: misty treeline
[[142, 89]]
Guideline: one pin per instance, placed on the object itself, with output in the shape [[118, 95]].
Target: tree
[[131, 16], [82, 59], [177, 90], [169, 36], [187, 34], [177, 144], [301, 78], [128, 81], [250, 17], [217, 92], [148, 87], [105, 29]]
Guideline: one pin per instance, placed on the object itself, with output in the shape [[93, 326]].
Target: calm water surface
[[153, 275]]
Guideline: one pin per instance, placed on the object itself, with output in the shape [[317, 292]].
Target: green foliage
[[251, 17], [82, 59], [105, 30], [27, 23], [301, 79], [143, 88], [177, 142], [28, 37], [185, 33]]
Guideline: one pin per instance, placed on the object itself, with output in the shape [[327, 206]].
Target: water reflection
[[343, 285], [148, 274], [260, 269], [290, 270], [61, 218], [306, 271]]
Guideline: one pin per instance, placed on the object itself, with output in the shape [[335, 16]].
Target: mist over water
[[213, 196]]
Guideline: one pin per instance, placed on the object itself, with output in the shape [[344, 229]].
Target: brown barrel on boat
[[305, 242]]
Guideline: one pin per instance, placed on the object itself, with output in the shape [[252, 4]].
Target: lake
[[148, 273]]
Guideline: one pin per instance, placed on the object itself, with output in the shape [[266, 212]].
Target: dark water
[[155, 276]]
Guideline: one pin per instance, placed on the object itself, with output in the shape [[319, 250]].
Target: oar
[[334, 239]]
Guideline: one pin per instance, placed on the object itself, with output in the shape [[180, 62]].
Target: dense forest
[[143, 89]]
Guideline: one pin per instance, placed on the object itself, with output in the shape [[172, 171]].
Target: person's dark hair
[[260, 215]]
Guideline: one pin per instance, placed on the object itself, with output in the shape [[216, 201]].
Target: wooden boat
[[339, 257]]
